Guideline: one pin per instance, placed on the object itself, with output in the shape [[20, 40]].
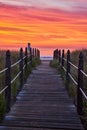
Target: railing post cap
[[28, 43], [63, 50], [8, 53], [21, 49], [68, 51]]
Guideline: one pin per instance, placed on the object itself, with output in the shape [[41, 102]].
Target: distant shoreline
[[46, 58]]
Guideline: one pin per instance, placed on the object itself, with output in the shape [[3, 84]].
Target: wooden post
[[29, 46], [28, 49], [59, 56], [56, 53], [62, 58], [8, 81], [80, 85], [68, 65], [39, 54], [21, 68], [26, 59], [35, 52], [53, 54], [31, 55]]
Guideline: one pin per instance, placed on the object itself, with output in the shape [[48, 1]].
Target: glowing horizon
[[45, 24]]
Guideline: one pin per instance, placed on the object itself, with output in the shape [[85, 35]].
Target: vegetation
[[54, 63], [74, 60], [75, 57], [70, 85], [15, 87]]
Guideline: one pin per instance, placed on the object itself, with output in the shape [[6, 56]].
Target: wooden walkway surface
[[43, 104]]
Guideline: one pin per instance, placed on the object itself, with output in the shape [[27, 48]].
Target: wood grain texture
[[43, 104]]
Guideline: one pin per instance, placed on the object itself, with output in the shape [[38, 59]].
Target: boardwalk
[[43, 104]]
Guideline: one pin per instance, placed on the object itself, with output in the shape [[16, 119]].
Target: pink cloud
[[57, 27], [69, 5]]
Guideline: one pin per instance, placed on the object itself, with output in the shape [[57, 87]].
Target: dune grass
[[15, 87], [70, 86]]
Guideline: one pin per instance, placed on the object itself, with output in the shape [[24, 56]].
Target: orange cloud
[[43, 28]]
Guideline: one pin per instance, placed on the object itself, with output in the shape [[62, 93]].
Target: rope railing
[[24, 57], [11, 83], [80, 73], [24, 67], [15, 77], [73, 65], [3, 89], [23, 63], [2, 71], [84, 73], [64, 68], [85, 96], [15, 63], [65, 59], [73, 79], [28, 62]]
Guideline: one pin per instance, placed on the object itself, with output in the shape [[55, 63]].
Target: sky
[[46, 24]]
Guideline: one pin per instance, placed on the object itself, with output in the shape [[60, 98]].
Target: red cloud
[[43, 27]]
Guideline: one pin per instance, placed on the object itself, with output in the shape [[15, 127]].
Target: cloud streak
[[70, 5], [47, 27]]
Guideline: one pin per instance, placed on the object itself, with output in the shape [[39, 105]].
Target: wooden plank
[[43, 104]]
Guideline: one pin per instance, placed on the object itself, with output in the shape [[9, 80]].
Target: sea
[[48, 58]]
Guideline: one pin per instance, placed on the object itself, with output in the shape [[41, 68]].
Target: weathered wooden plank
[[28, 128], [43, 104]]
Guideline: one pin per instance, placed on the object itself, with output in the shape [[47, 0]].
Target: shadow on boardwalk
[[43, 104]]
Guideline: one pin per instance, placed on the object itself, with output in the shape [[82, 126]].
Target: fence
[[79, 83], [23, 63]]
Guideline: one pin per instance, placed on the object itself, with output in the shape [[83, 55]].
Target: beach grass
[[70, 86], [15, 87]]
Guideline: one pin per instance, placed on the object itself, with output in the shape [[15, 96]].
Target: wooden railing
[[23, 63], [80, 75]]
